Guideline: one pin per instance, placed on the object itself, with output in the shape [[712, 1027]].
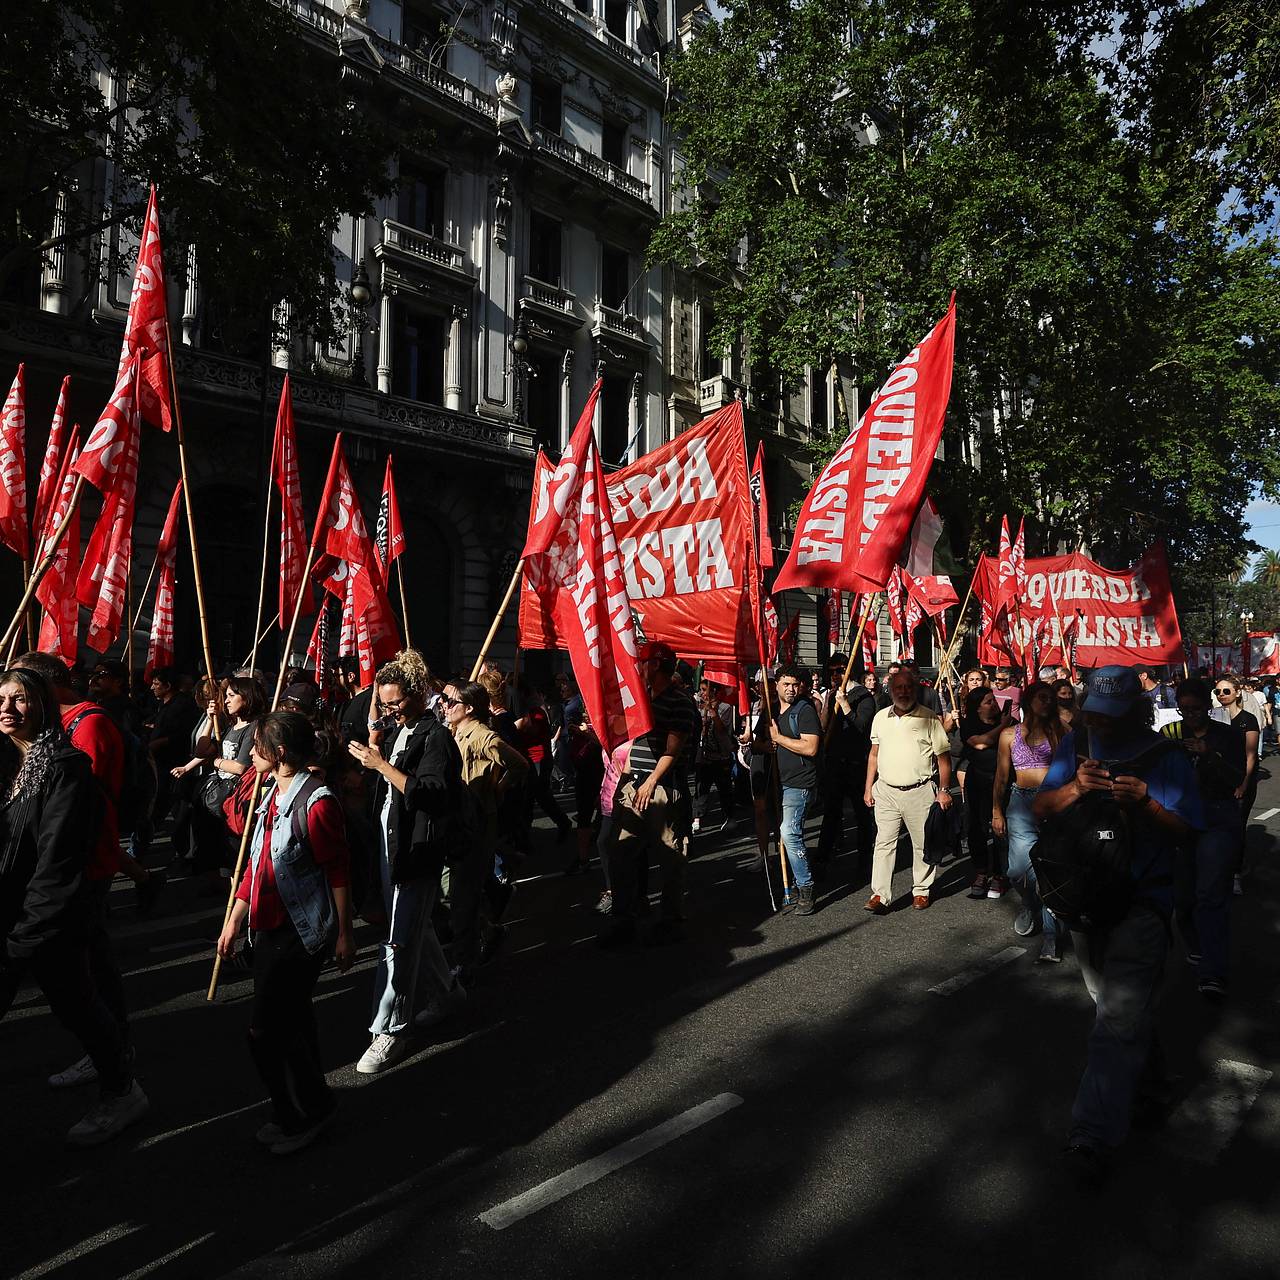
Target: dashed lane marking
[[1213, 1112], [979, 970], [565, 1184], [1265, 814]]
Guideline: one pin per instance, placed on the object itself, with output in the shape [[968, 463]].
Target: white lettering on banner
[[821, 537], [1079, 584], [694, 553], [686, 480], [677, 543], [557, 490]]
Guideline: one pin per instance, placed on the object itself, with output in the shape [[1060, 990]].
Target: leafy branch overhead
[[1112, 245], [258, 150]]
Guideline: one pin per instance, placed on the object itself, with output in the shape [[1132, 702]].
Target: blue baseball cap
[[1113, 691]]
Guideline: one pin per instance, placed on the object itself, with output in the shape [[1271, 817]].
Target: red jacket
[[97, 736]]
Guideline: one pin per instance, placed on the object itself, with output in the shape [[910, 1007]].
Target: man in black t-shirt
[[1203, 867], [797, 738], [651, 804], [847, 745]]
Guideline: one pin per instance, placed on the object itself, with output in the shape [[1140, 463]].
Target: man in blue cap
[[1122, 965]]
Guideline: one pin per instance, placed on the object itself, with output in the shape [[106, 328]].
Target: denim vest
[[301, 883]]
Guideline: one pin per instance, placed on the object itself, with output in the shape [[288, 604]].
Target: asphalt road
[[776, 1096]]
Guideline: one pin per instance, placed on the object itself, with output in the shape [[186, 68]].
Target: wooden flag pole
[[31, 613], [944, 670], [142, 603], [51, 550], [257, 786], [955, 639], [404, 608], [497, 621], [197, 576], [262, 635], [128, 613], [848, 670], [262, 582]]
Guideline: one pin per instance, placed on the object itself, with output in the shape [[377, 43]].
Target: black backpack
[[1083, 859], [138, 785]]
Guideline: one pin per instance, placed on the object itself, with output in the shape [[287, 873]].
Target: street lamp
[[361, 296], [1246, 625], [520, 367]]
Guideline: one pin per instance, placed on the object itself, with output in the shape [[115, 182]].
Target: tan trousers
[[894, 810]]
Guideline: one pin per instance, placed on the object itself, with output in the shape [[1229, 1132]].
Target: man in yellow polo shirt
[[906, 741]]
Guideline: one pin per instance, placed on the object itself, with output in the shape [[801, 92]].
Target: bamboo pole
[[262, 635], [262, 583], [142, 602], [197, 576], [944, 672], [128, 613], [497, 621], [404, 608], [955, 639], [257, 786], [31, 613], [51, 550], [848, 671]]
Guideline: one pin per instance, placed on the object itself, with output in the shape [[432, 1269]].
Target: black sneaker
[[492, 943], [575, 866], [804, 902], [978, 889], [1086, 1165]]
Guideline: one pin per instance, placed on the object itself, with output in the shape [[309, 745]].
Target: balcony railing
[[592, 164], [551, 296], [567, 15], [714, 393], [444, 82], [612, 320], [418, 244]]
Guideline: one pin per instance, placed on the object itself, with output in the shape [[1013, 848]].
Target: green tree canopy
[[1094, 180], [255, 144]]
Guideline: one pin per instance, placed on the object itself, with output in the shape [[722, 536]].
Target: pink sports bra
[[1025, 757]]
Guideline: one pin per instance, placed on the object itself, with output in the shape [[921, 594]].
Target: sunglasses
[[1224, 689]]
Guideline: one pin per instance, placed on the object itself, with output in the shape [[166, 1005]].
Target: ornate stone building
[[506, 273]]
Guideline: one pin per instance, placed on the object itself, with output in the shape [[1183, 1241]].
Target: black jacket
[[420, 826], [44, 846]]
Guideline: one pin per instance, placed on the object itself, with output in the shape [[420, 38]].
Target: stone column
[[53, 283], [635, 419], [191, 299], [385, 340], [453, 360], [280, 336], [566, 397]]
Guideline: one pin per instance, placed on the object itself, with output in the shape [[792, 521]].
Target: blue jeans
[[1121, 969], [1202, 890], [794, 802], [1023, 834]]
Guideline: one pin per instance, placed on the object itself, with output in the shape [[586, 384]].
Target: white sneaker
[[442, 1007], [112, 1115], [385, 1051], [1237, 887], [82, 1072], [697, 825]]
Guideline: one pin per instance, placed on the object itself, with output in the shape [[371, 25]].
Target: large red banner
[[1113, 616], [858, 513], [682, 518]]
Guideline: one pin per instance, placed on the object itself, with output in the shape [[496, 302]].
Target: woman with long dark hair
[[980, 729], [1024, 755], [295, 896], [1231, 710], [48, 803]]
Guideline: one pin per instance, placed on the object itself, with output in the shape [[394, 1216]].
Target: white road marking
[[77, 1252], [979, 970], [1265, 814], [564, 1184], [1211, 1114], [168, 1257], [157, 1138], [191, 944]]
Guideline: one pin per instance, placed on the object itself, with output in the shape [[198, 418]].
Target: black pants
[[62, 969], [985, 851], [588, 778], [539, 784], [841, 780], [210, 837], [283, 1040], [102, 961], [709, 774]]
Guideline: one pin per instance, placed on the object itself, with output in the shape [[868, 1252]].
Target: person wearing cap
[[909, 747], [651, 803], [1122, 966], [301, 696]]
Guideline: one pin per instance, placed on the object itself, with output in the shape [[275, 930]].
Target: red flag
[[922, 570], [869, 636], [318, 647], [894, 598], [787, 642], [293, 528], [160, 648], [146, 329], [1019, 559], [912, 616], [761, 501], [110, 463], [1007, 581], [351, 565], [13, 467], [770, 631], [857, 515], [57, 589], [389, 535], [835, 616], [571, 557], [54, 465]]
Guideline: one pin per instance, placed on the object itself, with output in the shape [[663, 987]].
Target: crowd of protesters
[[410, 804]]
